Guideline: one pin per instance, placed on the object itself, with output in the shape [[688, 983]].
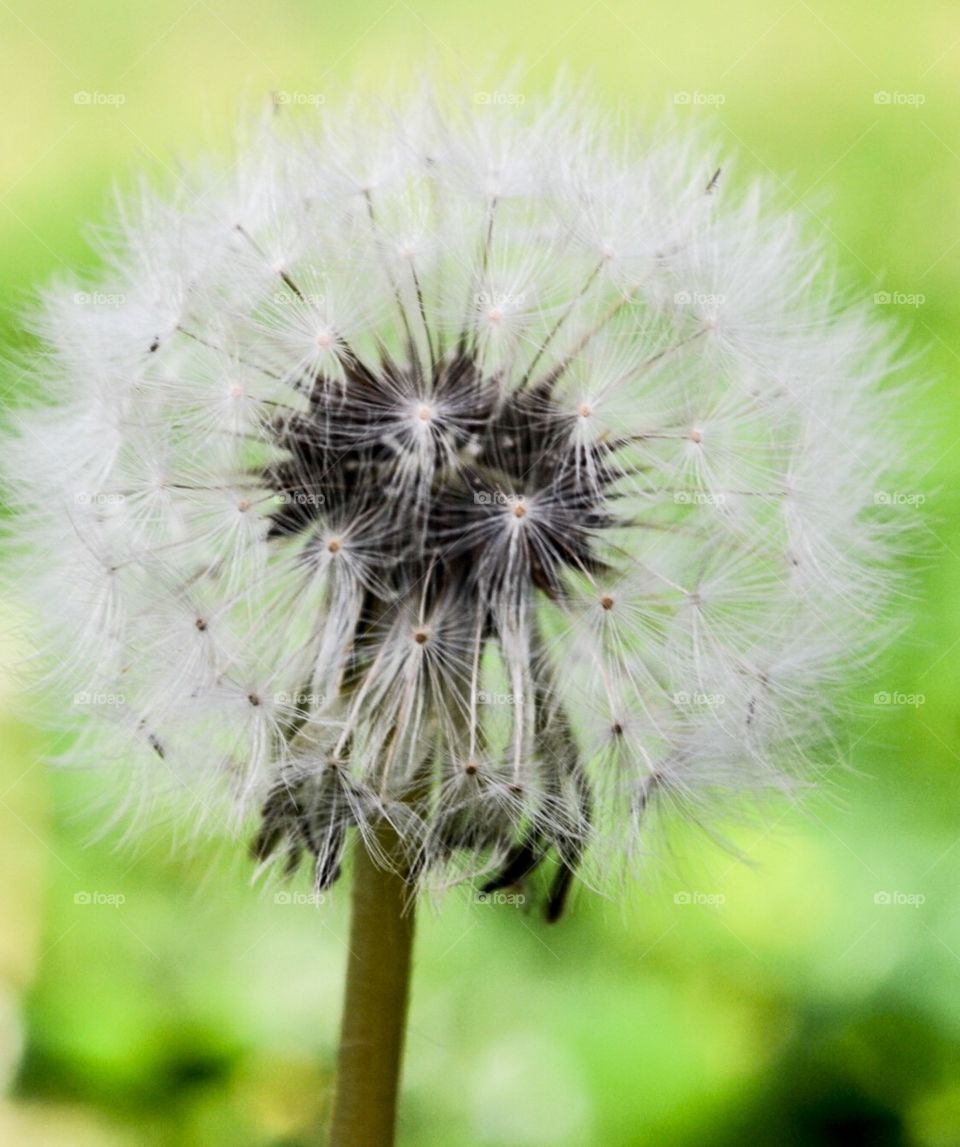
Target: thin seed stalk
[[375, 1003]]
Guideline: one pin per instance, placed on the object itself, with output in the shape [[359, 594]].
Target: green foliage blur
[[150, 996]]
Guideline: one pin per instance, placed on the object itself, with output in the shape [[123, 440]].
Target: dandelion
[[460, 480]]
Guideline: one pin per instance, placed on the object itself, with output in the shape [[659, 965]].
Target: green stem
[[375, 1005]]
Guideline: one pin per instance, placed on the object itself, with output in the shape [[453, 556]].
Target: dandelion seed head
[[461, 466]]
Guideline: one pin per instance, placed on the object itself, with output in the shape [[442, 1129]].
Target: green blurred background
[[810, 997]]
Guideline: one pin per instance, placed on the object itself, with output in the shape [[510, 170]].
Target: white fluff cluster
[[472, 468]]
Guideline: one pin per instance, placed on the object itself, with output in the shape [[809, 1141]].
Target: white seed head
[[462, 467]]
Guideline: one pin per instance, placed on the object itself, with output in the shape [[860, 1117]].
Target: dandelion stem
[[375, 1007]]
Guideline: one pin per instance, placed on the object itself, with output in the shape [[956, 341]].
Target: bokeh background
[[150, 996]]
